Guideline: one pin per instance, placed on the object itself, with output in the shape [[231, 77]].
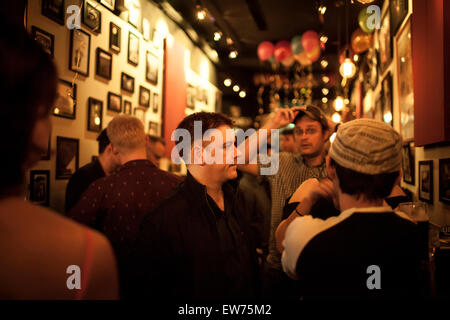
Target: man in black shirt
[[105, 164], [197, 244]]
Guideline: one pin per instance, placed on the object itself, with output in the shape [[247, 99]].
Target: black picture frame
[[151, 68], [115, 37], [54, 10], [155, 102], [144, 97], [153, 128], [79, 52], [114, 102], [95, 110], [408, 163], [104, 64], [444, 180], [91, 17], [388, 100], [398, 9], [127, 83], [133, 49], [426, 181], [40, 187], [127, 107], [109, 4], [67, 157], [65, 105], [45, 39], [385, 43]]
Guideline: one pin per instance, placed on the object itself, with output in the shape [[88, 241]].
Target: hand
[[282, 117], [314, 189]]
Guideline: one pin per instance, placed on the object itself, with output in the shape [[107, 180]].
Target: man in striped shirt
[[311, 132]]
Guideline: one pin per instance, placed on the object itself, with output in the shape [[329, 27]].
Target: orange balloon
[[314, 55], [361, 41], [288, 61], [302, 57]]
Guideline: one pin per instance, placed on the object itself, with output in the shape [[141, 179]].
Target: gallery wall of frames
[[384, 87], [112, 65]]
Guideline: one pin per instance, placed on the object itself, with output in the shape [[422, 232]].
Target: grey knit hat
[[367, 146]]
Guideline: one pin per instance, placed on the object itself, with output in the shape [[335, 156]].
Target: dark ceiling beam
[[257, 14]]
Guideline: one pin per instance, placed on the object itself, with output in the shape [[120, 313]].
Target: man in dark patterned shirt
[[116, 204]]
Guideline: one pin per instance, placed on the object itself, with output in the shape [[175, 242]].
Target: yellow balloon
[[361, 41], [302, 57]]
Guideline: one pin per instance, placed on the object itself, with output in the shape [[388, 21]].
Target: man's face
[[155, 151], [309, 137], [287, 143]]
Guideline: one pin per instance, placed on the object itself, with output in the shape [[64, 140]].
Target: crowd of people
[[323, 225]]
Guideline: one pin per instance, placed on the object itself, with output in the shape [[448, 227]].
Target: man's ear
[[113, 149], [326, 135], [331, 171]]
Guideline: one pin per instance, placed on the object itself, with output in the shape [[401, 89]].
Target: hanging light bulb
[[227, 82], [347, 68], [236, 88], [339, 103], [242, 94], [336, 117]]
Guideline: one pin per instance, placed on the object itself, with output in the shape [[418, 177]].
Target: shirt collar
[[367, 210], [136, 163]]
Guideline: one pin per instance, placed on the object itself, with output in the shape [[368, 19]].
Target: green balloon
[[363, 16]]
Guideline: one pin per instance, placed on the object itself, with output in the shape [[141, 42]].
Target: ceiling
[[249, 22]]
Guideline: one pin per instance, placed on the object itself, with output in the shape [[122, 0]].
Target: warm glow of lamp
[[336, 117], [242, 94], [347, 68], [236, 88], [339, 103], [227, 82]]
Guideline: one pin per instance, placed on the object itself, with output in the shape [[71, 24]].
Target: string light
[[236, 88], [217, 36], [336, 118], [339, 103], [233, 54], [325, 91], [324, 63], [347, 68], [325, 79], [242, 94], [227, 82], [322, 9], [324, 99], [201, 13], [323, 39]]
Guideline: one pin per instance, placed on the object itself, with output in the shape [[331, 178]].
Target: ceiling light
[[242, 94], [233, 54], [347, 68], [324, 63], [217, 35], [325, 91], [236, 88], [324, 99], [227, 82], [338, 104], [336, 117]]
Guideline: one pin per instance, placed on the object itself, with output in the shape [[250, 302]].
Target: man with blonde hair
[[116, 204]]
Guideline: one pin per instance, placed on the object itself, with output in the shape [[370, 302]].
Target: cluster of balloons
[[306, 49]]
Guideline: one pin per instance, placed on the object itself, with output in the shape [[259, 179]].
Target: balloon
[[342, 53], [314, 55], [265, 50], [296, 45], [365, 1], [361, 41], [303, 59], [310, 40], [363, 16], [288, 61], [282, 50]]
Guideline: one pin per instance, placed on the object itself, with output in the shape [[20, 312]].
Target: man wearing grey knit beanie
[[368, 250]]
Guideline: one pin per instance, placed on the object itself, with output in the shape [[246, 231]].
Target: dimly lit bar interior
[[242, 154]]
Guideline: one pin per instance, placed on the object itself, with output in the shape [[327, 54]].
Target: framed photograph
[[115, 35], [67, 155], [54, 9], [140, 114], [444, 180], [40, 187], [92, 17], [104, 64], [146, 29], [398, 9], [127, 107], [114, 102], [153, 128], [405, 83], [144, 97], [151, 68], [385, 43], [133, 48], [110, 4], [155, 102], [134, 13], [46, 155], [190, 96], [95, 115], [80, 46], [45, 39], [408, 163], [426, 181], [127, 83], [388, 105], [66, 100]]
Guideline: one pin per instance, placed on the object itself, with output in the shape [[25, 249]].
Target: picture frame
[[65, 105], [110, 4], [398, 9], [133, 48], [114, 102], [426, 181], [67, 157], [46, 156], [54, 10], [388, 103], [127, 107], [115, 37], [95, 115], [45, 39], [444, 180], [405, 90], [385, 43], [127, 83], [40, 187], [91, 17], [104, 64], [153, 128], [151, 68], [140, 114], [80, 46], [144, 97], [134, 14], [146, 29], [155, 102], [408, 163]]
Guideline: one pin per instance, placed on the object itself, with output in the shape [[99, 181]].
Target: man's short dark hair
[[154, 139], [103, 141], [371, 187], [314, 113], [287, 132], [209, 120]]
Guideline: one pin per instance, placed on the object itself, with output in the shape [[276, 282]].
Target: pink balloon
[[310, 40], [314, 55], [282, 50], [265, 50]]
